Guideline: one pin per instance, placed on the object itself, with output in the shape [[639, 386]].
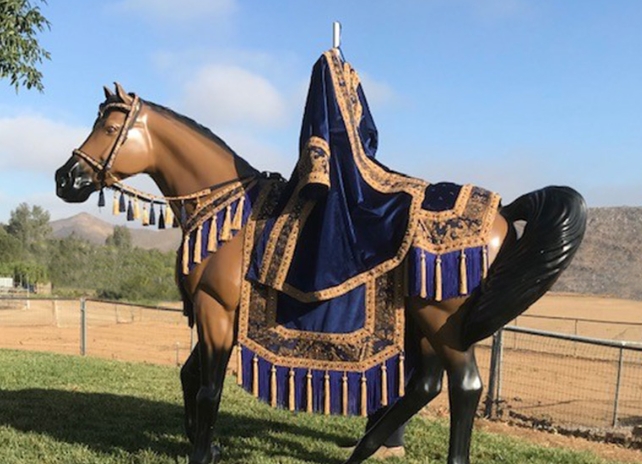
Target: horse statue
[[456, 266]]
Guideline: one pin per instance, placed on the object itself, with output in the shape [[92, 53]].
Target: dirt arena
[[131, 333]]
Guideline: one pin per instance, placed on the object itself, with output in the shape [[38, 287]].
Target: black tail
[[526, 267]]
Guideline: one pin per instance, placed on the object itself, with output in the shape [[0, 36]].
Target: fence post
[[618, 384], [494, 376], [83, 327]]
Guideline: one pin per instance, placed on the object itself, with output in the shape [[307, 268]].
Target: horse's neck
[[187, 161]]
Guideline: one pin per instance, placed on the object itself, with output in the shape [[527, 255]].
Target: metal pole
[[336, 34], [500, 356], [618, 384], [492, 377], [83, 327]]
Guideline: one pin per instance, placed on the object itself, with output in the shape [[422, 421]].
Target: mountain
[[96, 230], [609, 261]]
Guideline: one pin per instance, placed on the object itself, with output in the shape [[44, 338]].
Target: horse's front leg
[[216, 331], [191, 383]]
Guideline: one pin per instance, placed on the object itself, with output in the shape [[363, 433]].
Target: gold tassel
[[463, 278], [484, 262], [169, 216], [237, 223], [226, 230], [424, 291], [344, 391], [136, 209], [291, 398], [197, 244], [384, 385], [364, 395], [212, 238], [326, 395], [145, 220], [273, 386], [308, 379], [186, 254], [438, 283], [402, 375], [239, 365], [114, 205], [255, 376]]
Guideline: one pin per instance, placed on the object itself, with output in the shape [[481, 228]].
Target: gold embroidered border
[[360, 344], [212, 205], [471, 226], [345, 81]]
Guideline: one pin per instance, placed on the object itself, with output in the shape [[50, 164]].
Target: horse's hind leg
[[216, 328], [423, 386], [440, 323]]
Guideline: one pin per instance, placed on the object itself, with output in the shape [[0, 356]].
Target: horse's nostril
[[62, 179]]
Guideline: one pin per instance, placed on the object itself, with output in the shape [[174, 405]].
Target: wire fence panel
[[542, 378], [568, 381]]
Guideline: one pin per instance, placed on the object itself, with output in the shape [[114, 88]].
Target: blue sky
[[510, 95]]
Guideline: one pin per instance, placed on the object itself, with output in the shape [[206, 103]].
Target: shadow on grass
[[107, 422]]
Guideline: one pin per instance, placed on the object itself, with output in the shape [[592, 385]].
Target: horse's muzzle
[[73, 184]]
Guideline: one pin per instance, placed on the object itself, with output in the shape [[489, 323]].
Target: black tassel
[[183, 213], [161, 219], [130, 210], [121, 203], [152, 214], [101, 198]]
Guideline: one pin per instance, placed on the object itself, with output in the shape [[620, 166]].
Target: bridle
[[102, 169], [131, 111]]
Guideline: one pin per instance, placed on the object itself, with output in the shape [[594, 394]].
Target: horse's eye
[[110, 130]]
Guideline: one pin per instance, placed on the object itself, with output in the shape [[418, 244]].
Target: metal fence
[[551, 379], [532, 376]]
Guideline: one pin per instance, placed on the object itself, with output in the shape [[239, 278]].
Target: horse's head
[[119, 146]]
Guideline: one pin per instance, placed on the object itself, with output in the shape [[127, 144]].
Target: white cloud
[[223, 95], [173, 10], [378, 93], [37, 143]]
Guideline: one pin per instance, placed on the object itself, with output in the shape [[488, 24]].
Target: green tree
[[121, 238], [30, 225], [20, 52], [10, 247]]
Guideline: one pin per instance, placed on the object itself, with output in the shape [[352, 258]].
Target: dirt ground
[[123, 332]]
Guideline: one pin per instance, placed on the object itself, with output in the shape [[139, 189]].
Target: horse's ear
[[108, 92], [124, 96]]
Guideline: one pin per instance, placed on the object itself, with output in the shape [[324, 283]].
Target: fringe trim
[[439, 277], [322, 391], [208, 236]]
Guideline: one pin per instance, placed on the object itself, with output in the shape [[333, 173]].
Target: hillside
[[609, 261], [96, 230]]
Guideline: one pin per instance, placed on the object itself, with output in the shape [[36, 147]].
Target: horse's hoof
[[215, 455]]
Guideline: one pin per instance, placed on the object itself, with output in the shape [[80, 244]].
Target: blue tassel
[[101, 198], [152, 215], [161, 219], [121, 203], [130, 210]]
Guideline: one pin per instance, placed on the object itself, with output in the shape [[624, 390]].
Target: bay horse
[[132, 136]]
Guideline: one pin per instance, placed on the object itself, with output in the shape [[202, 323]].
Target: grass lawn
[[71, 410]]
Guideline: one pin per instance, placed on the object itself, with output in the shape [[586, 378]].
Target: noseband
[[131, 113]]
